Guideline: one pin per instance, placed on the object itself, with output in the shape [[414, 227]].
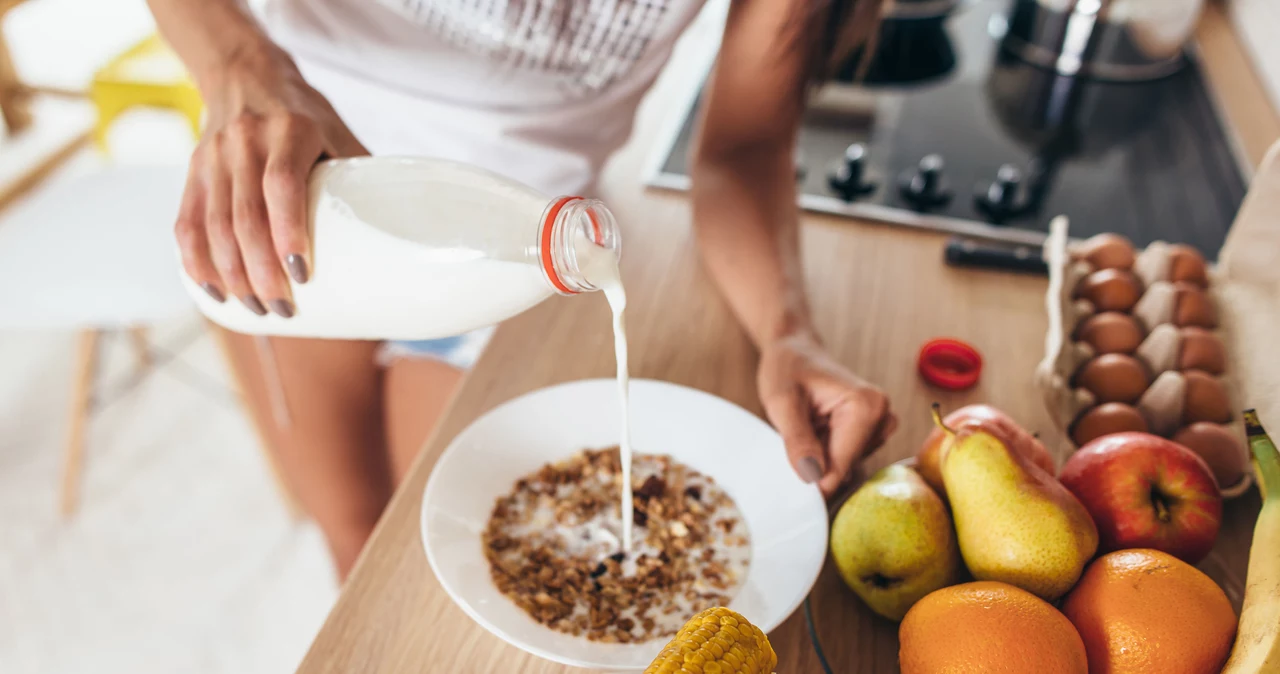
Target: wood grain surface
[[878, 293]]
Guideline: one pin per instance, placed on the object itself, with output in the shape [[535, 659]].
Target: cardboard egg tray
[[1064, 356], [1245, 286]]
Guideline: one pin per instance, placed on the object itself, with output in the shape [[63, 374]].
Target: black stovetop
[[1150, 161]]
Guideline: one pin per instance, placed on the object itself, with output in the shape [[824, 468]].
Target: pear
[[929, 459], [1015, 523], [893, 542]]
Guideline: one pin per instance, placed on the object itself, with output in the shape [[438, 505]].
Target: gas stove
[[949, 131]]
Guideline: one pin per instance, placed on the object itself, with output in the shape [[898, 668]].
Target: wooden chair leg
[[81, 392], [264, 438], [14, 102], [141, 352]]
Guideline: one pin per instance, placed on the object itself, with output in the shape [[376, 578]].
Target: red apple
[[929, 459], [1144, 491]]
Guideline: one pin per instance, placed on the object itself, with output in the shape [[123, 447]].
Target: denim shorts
[[460, 351]]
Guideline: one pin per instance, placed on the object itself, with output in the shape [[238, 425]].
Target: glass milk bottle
[[412, 248]]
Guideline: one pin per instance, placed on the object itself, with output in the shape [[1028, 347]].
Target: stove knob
[[926, 185], [848, 179], [1000, 200]]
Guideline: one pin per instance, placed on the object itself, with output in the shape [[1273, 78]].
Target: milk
[[602, 271], [411, 248]]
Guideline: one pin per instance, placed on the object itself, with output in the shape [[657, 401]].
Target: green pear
[[1015, 523], [893, 542]]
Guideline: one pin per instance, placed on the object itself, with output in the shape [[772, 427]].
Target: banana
[[1257, 647]]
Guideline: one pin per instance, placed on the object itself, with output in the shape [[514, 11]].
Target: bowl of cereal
[[522, 524]]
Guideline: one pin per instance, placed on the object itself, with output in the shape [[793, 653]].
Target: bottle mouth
[[567, 222]]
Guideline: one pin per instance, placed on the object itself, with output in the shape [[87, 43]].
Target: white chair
[[92, 249], [93, 252]]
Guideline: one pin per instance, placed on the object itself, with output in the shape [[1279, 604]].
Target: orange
[[1142, 611], [984, 627]]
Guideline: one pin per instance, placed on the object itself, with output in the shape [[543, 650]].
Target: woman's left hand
[[829, 418]]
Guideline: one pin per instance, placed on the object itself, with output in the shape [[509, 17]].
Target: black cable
[[813, 638]]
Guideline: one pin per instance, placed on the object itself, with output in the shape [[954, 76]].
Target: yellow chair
[[147, 74]]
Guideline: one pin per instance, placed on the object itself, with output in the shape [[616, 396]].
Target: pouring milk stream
[[414, 248], [602, 269]]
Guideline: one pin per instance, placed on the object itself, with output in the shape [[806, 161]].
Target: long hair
[[831, 31]]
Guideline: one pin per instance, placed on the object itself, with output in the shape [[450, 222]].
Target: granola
[[554, 547]]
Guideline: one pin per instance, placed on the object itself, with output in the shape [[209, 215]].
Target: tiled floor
[[182, 557]]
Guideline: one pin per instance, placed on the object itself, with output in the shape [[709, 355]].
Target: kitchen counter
[[878, 293]]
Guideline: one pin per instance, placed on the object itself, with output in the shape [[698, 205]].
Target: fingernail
[[254, 304], [282, 307], [214, 292], [297, 267], [809, 469]]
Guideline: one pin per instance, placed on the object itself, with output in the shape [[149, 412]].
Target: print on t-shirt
[[587, 44]]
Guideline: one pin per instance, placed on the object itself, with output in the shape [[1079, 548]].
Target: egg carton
[[1161, 404]]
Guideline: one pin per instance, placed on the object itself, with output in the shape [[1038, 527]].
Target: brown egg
[[1114, 378], [1110, 289], [1106, 251], [1193, 306], [1110, 332], [1106, 419], [1220, 447], [1201, 350], [1187, 264], [1206, 399]]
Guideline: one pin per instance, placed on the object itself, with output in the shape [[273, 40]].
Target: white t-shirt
[[539, 90]]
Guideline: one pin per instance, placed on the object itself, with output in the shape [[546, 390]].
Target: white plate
[[786, 518]]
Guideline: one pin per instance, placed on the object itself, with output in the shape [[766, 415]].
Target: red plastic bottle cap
[[950, 364]]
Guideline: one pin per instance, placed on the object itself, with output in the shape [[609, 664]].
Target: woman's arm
[[743, 172], [744, 201], [209, 35]]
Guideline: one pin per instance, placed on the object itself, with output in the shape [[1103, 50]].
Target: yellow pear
[[1015, 522], [893, 542]]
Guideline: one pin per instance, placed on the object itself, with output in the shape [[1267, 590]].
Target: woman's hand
[[829, 418], [243, 220]]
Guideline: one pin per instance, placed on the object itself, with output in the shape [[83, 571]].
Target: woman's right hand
[[243, 221]]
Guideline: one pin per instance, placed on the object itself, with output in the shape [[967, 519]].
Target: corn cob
[[716, 641]]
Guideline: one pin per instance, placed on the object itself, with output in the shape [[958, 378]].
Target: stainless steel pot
[[1116, 40], [912, 46]]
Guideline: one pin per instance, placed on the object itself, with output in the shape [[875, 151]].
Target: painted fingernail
[[809, 469], [214, 292], [282, 307], [297, 267], [254, 304]]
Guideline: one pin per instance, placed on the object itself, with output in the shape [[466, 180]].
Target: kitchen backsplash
[[1257, 23]]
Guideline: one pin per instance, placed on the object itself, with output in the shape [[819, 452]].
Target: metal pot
[[912, 46], [1115, 40], [1057, 119]]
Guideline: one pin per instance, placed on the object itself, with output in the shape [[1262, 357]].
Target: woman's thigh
[[318, 404], [418, 390]]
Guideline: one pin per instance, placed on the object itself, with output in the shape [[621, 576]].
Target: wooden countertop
[[878, 292]]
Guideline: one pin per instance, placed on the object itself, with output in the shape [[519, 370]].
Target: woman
[[541, 91]]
